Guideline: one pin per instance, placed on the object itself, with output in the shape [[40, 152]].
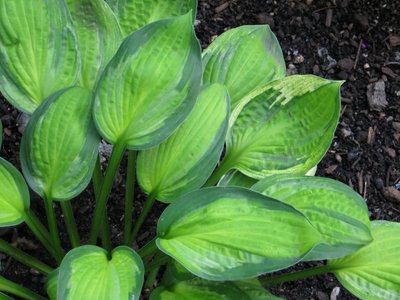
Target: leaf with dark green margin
[[200, 289], [373, 272], [285, 127], [235, 178], [87, 273], [14, 195], [151, 84], [99, 36], [184, 161], [51, 284], [60, 145], [339, 214], [133, 14], [243, 59], [38, 50], [231, 233]]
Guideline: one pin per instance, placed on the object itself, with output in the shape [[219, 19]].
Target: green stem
[[146, 209], [105, 231], [115, 159], [129, 195], [151, 278], [224, 167], [70, 223], [52, 222], [266, 282], [8, 286], [24, 258], [158, 261], [148, 250], [39, 231]]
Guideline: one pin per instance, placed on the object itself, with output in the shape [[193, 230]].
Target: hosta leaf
[[87, 273], [286, 128], [38, 51], [243, 59], [5, 297], [373, 272], [187, 158], [14, 195], [200, 289], [235, 178], [150, 85], [233, 233], [99, 36], [51, 284], [60, 144], [339, 213], [133, 14]]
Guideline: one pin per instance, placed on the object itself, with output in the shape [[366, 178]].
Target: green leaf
[[233, 233], [243, 59], [185, 160], [14, 195], [60, 145], [133, 14], [5, 297], [373, 272], [38, 51], [200, 289], [338, 213], [151, 84], [99, 36], [87, 273], [51, 284], [285, 127], [235, 178]]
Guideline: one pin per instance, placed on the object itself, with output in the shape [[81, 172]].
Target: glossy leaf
[[133, 14], [235, 178], [243, 59], [38, 50], [150, 85], [284, 128], [185, 160], [51, 284], [373, 272], [99, 36], [339, 213], [60, 145], [14, 195], [233, 233], [87, 273], [200, 289]]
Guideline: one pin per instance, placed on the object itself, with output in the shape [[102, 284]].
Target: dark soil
[[357, 41]]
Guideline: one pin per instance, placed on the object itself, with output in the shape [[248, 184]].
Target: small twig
[[358, 54]]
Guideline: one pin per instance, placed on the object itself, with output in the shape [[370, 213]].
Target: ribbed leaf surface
[[14, 195], [243, 59], [285, 128], [200, 289], [185, 160], [87, 273], [99, 36], [150, 85], [235, 178], [60, 145], [233, 233], [339, 213], [373, 272], [38, 50], [133, 14]]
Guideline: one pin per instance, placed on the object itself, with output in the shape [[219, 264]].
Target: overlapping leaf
[[150, 85], [235, 178], [187, 158], [285, 127], [98, 34], [51, 284], [233, 233], [14, 195], [133, 14], [60, 145], [87, 273], [373, 272], [243, 59], [38, 50], [200, 289], [339, 213]]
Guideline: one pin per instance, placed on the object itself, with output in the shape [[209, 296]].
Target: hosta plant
[[222, 137]]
